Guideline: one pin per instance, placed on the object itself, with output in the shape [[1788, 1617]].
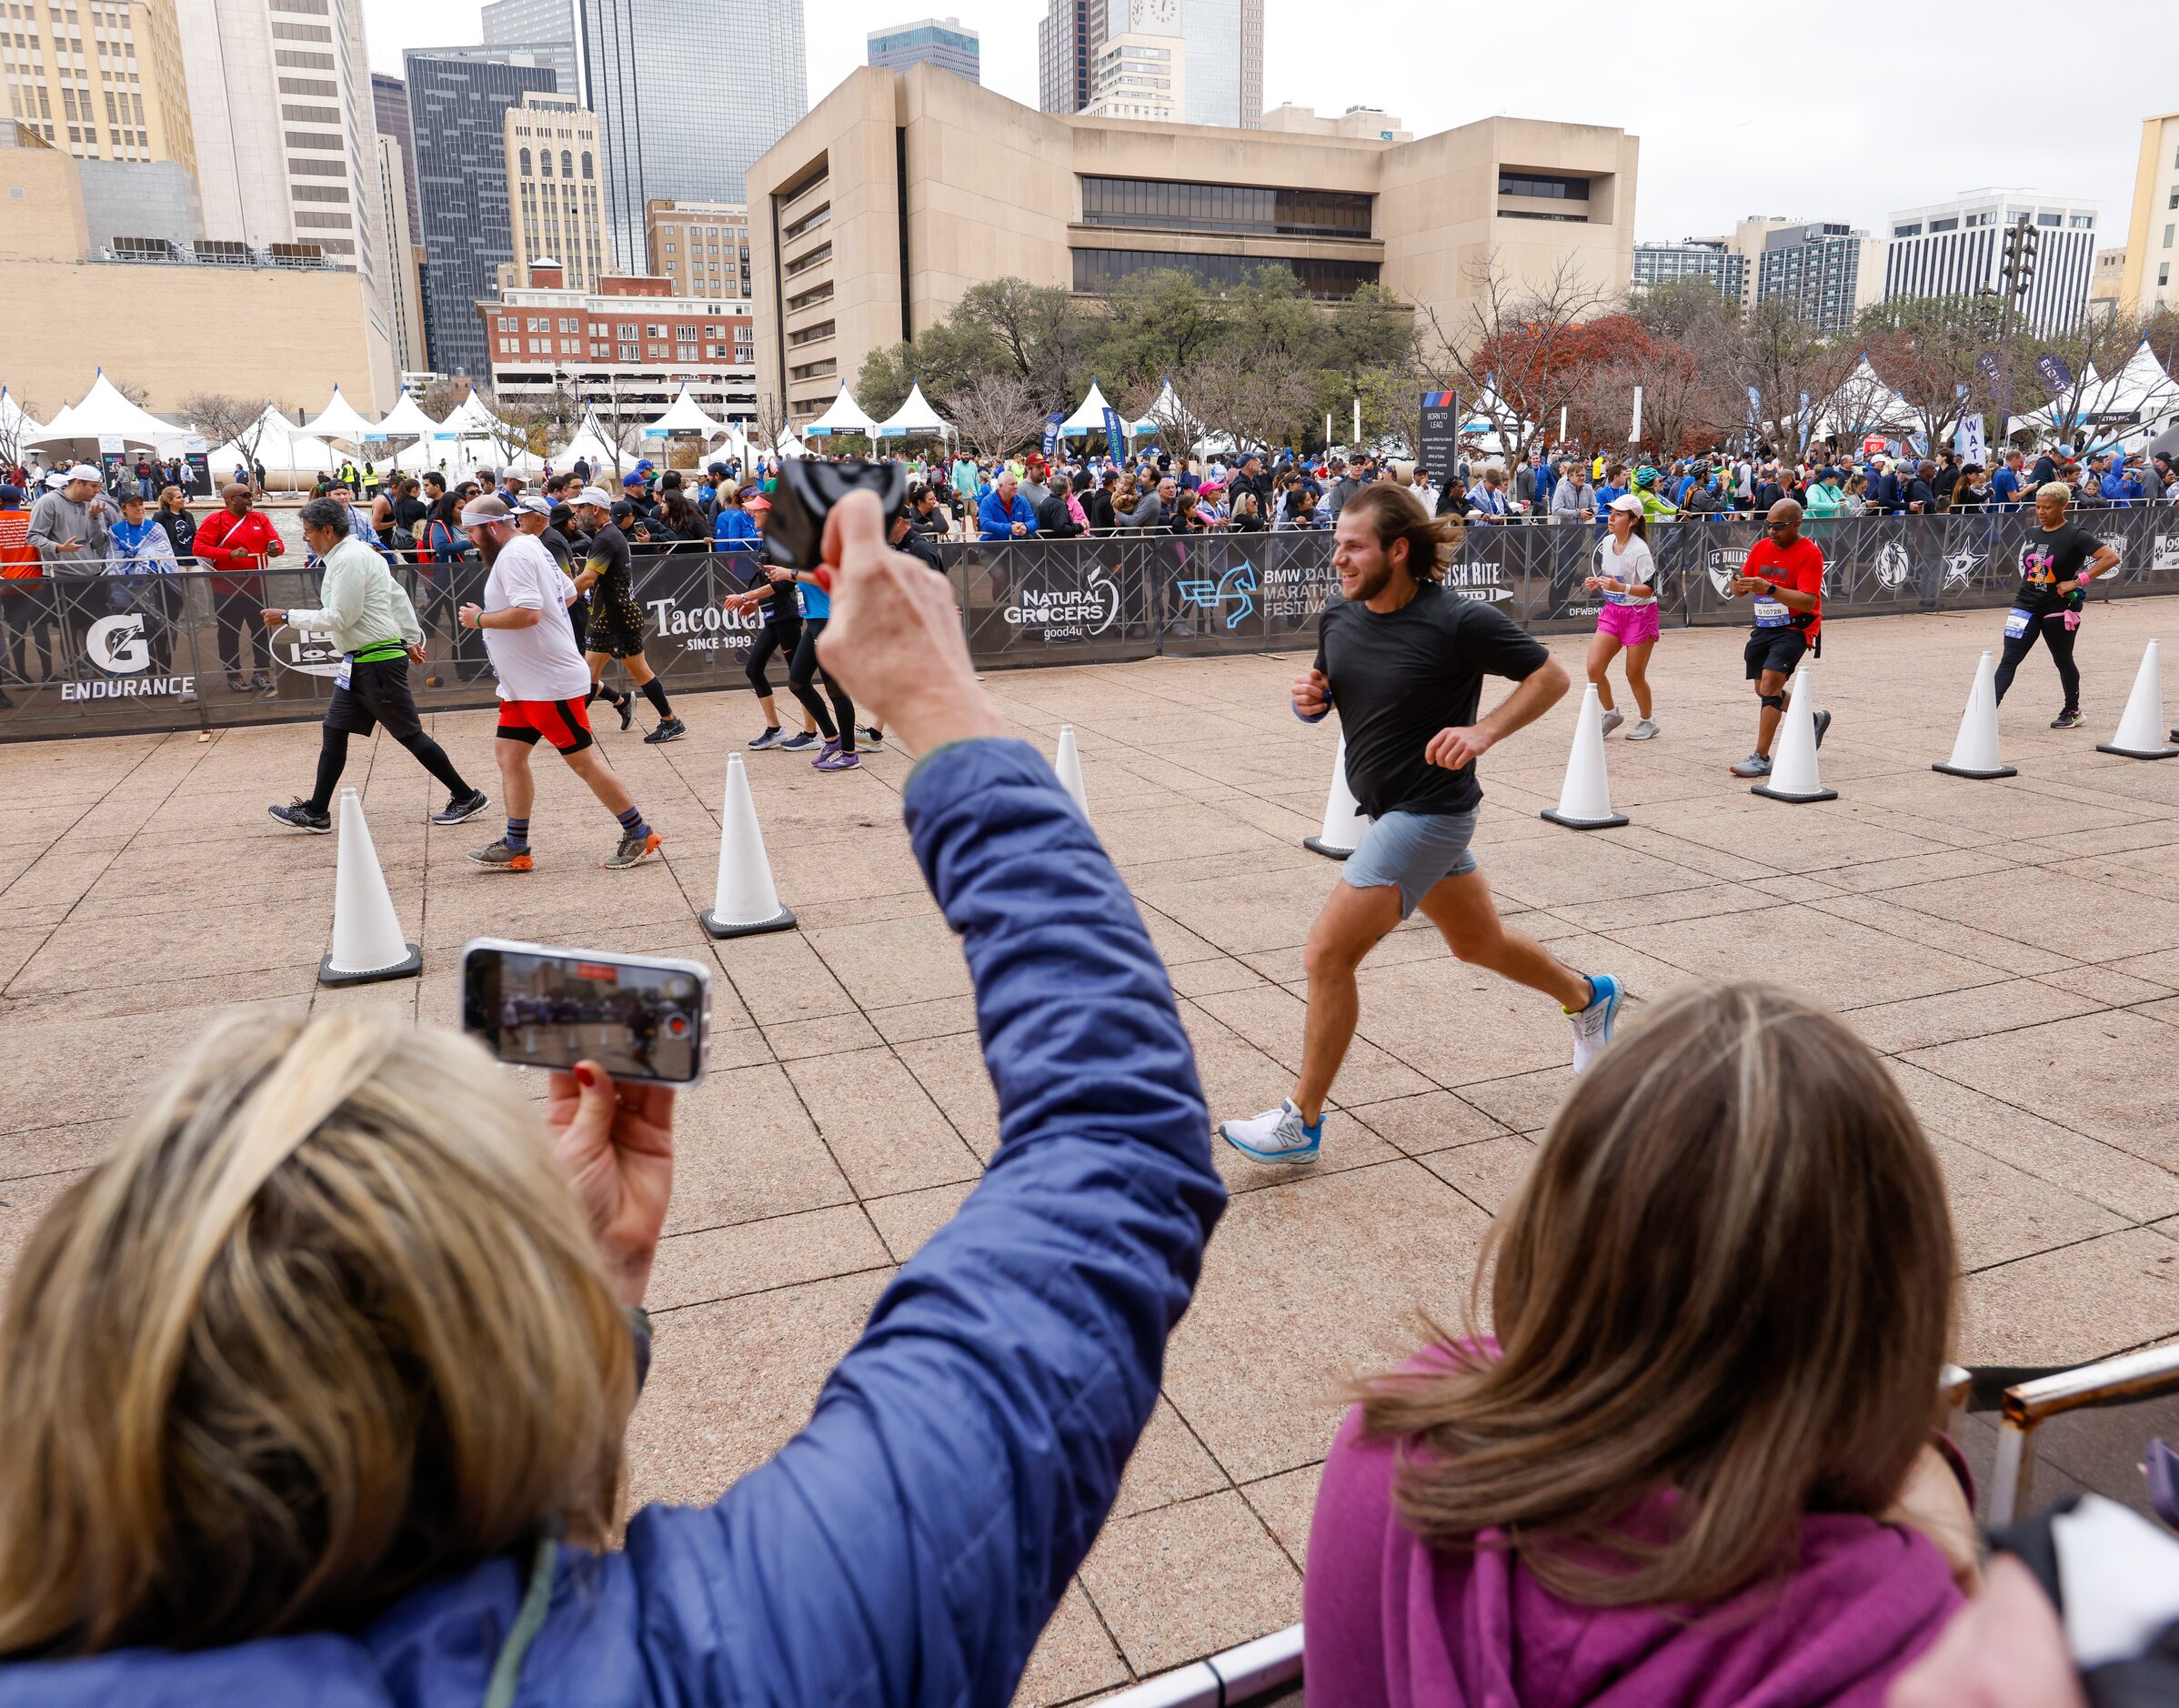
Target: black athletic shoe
[[1822, 726], [2069, 718], [670, 729], [300, 815], [798, 742], [462, 811], [770, 738], [871, 736]]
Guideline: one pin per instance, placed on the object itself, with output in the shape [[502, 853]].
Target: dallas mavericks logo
[[1892, 565]]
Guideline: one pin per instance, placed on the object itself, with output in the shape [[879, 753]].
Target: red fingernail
[[583, 1076]]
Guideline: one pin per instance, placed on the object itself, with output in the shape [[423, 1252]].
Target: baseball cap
[[56, 479], [597, 495], [534, 505], [487, 508], [757, 503], [84, 471], [10, 496], [631, 479]]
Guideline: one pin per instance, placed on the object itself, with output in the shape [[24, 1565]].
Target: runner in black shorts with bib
[[616, 630], [2057, 563], [1784, 575]]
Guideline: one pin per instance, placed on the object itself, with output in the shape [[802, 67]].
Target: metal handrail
[[1227, 1680], [2109, 1381]]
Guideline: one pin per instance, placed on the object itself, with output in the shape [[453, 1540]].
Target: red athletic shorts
[[565, 723]]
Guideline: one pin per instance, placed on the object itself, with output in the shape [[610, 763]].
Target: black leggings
[[803, 670], [777, 636], [236, 613], [2059, 639]]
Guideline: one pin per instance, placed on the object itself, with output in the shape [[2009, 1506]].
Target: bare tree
[[996, 412], [1510, 350], [225, 419], [1782, 360], [12, 426], [1255, 403], [2093, 352], [138, 394], [771, 420], [443, 395]]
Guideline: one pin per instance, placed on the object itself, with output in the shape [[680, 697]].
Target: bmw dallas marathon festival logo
[[121, 648], [1080, 613]]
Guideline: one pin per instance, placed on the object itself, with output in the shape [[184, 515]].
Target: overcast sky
[[1806, 114]]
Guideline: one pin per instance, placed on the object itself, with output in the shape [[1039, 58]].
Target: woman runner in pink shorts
[[1626, 576]]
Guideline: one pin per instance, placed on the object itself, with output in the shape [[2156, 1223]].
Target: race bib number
[[347, 670], [1770, 613], [2016, 623]]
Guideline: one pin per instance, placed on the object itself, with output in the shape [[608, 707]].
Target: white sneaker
[[1276, 1136], [1646, 730], [1593, 1025], [1613, 719]]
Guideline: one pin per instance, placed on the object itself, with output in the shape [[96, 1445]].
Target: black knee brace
[[1776, 702]]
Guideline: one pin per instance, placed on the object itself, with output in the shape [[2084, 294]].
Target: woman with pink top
[[1626, 575], [1694, 1464]]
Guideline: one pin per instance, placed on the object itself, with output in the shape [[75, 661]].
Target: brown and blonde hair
[[325, 1324], [1395, 513], [1721, 1300]]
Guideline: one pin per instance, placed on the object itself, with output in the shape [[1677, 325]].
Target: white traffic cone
[[366, 936], [1585, 797], [1794, 778], [744, 903], [1069, 765], [1974, 750], [1344, 820], [2141, 730]]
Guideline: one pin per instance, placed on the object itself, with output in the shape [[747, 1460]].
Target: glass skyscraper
[[548, 24], [688, 93], [1222, 53], [458, 102]]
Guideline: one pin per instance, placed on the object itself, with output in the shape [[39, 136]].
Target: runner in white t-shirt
[[1626, 575], [544, 685]]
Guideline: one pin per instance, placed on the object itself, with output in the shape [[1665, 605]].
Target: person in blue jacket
[[1004, 513], [317, 1384]]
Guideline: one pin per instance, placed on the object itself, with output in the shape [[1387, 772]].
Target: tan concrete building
[[2106, 284], [557, 215], [702, 248], [406, 297], [297, 330], [899, 190], [102, 79], [1356, 124], [1137, 75], [2153, 227]]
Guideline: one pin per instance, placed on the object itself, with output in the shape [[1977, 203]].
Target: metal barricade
[[1266, 1671], [2030, 1404]]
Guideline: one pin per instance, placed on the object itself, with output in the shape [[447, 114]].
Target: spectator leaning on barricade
[[318, 1384], [71, 522], [1573, 499], [1004, 513], [1674, 1471]]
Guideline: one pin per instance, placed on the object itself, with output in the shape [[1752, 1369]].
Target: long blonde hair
[[1722, 1298], [325, 1324]]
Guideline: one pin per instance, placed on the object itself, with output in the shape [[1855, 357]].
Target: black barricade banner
[[117, 654]]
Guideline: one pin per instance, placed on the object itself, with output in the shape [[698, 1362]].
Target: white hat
[[56, 480], [595, 495], [533, 504], [1626, 501], [84, 471], [487, 508]]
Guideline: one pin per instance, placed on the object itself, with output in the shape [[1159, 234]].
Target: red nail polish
[[583, 1077]]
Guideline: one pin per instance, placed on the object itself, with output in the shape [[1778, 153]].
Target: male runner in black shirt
[[616, 629], [1404, 661], [2057, 562]]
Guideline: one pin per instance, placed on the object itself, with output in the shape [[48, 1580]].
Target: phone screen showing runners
[[555, 1009]]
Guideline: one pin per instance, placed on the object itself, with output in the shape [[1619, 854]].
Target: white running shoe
[[1646, 730], [1593, 1025], [1277, 1135], [1613, 719]]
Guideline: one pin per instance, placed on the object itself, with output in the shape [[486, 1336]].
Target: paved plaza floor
[[2011, 947]]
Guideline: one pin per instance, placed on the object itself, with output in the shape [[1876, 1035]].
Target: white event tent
[[337, 420], [915, 417], [591, 445], [846, 415], [405, 420], [685, 415], [281, 446], [106, 414], [1091, 416], [18, 424], [1165, 407]]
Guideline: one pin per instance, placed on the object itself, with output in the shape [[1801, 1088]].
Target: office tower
[[1139, 75], [1711, 258], [1221, 54], [403, 297], [945, 43], [547, 25], [1956, 248], [102, 81], [457, 100], [2152, 221], [1825, 271], [389, 104], [280, 107], [702, 248], [553, 191], [688, 93]]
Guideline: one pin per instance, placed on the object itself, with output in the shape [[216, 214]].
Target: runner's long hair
[[1393, 512], [1721, 1299]]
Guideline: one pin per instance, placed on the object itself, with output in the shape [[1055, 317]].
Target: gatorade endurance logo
[[120, 647]]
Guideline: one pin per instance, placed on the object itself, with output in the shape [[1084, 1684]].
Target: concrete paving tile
[[1885, 914], [951, 1071], [744, 1148], [1187, 1581], [730, 1382], [1074, 1659], [1433, 1121], [1834, 961], [906, 1220], [1272, 912], [913, 960], [1487, 1174], [2081, 917], [1168, 1464], [912, 1020], [1524, 1102], [1304, 1286], [53, 1084], [1212, 977], [2001, 1214], [53, 1148], [779, 977], [2003, 1006], [1285, 1503], [2074, 1304], [878, 1121], [758, 1255], [1272, 1018], [2081, 1073], [2108, 986], [826, 1035]]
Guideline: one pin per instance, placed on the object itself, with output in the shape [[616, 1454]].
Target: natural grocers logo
[[1083, 612]]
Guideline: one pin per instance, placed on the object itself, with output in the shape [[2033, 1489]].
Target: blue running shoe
[[1593, 1025], [1277, 1135]]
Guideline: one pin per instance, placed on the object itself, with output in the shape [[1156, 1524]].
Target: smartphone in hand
[[639, 1018]]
